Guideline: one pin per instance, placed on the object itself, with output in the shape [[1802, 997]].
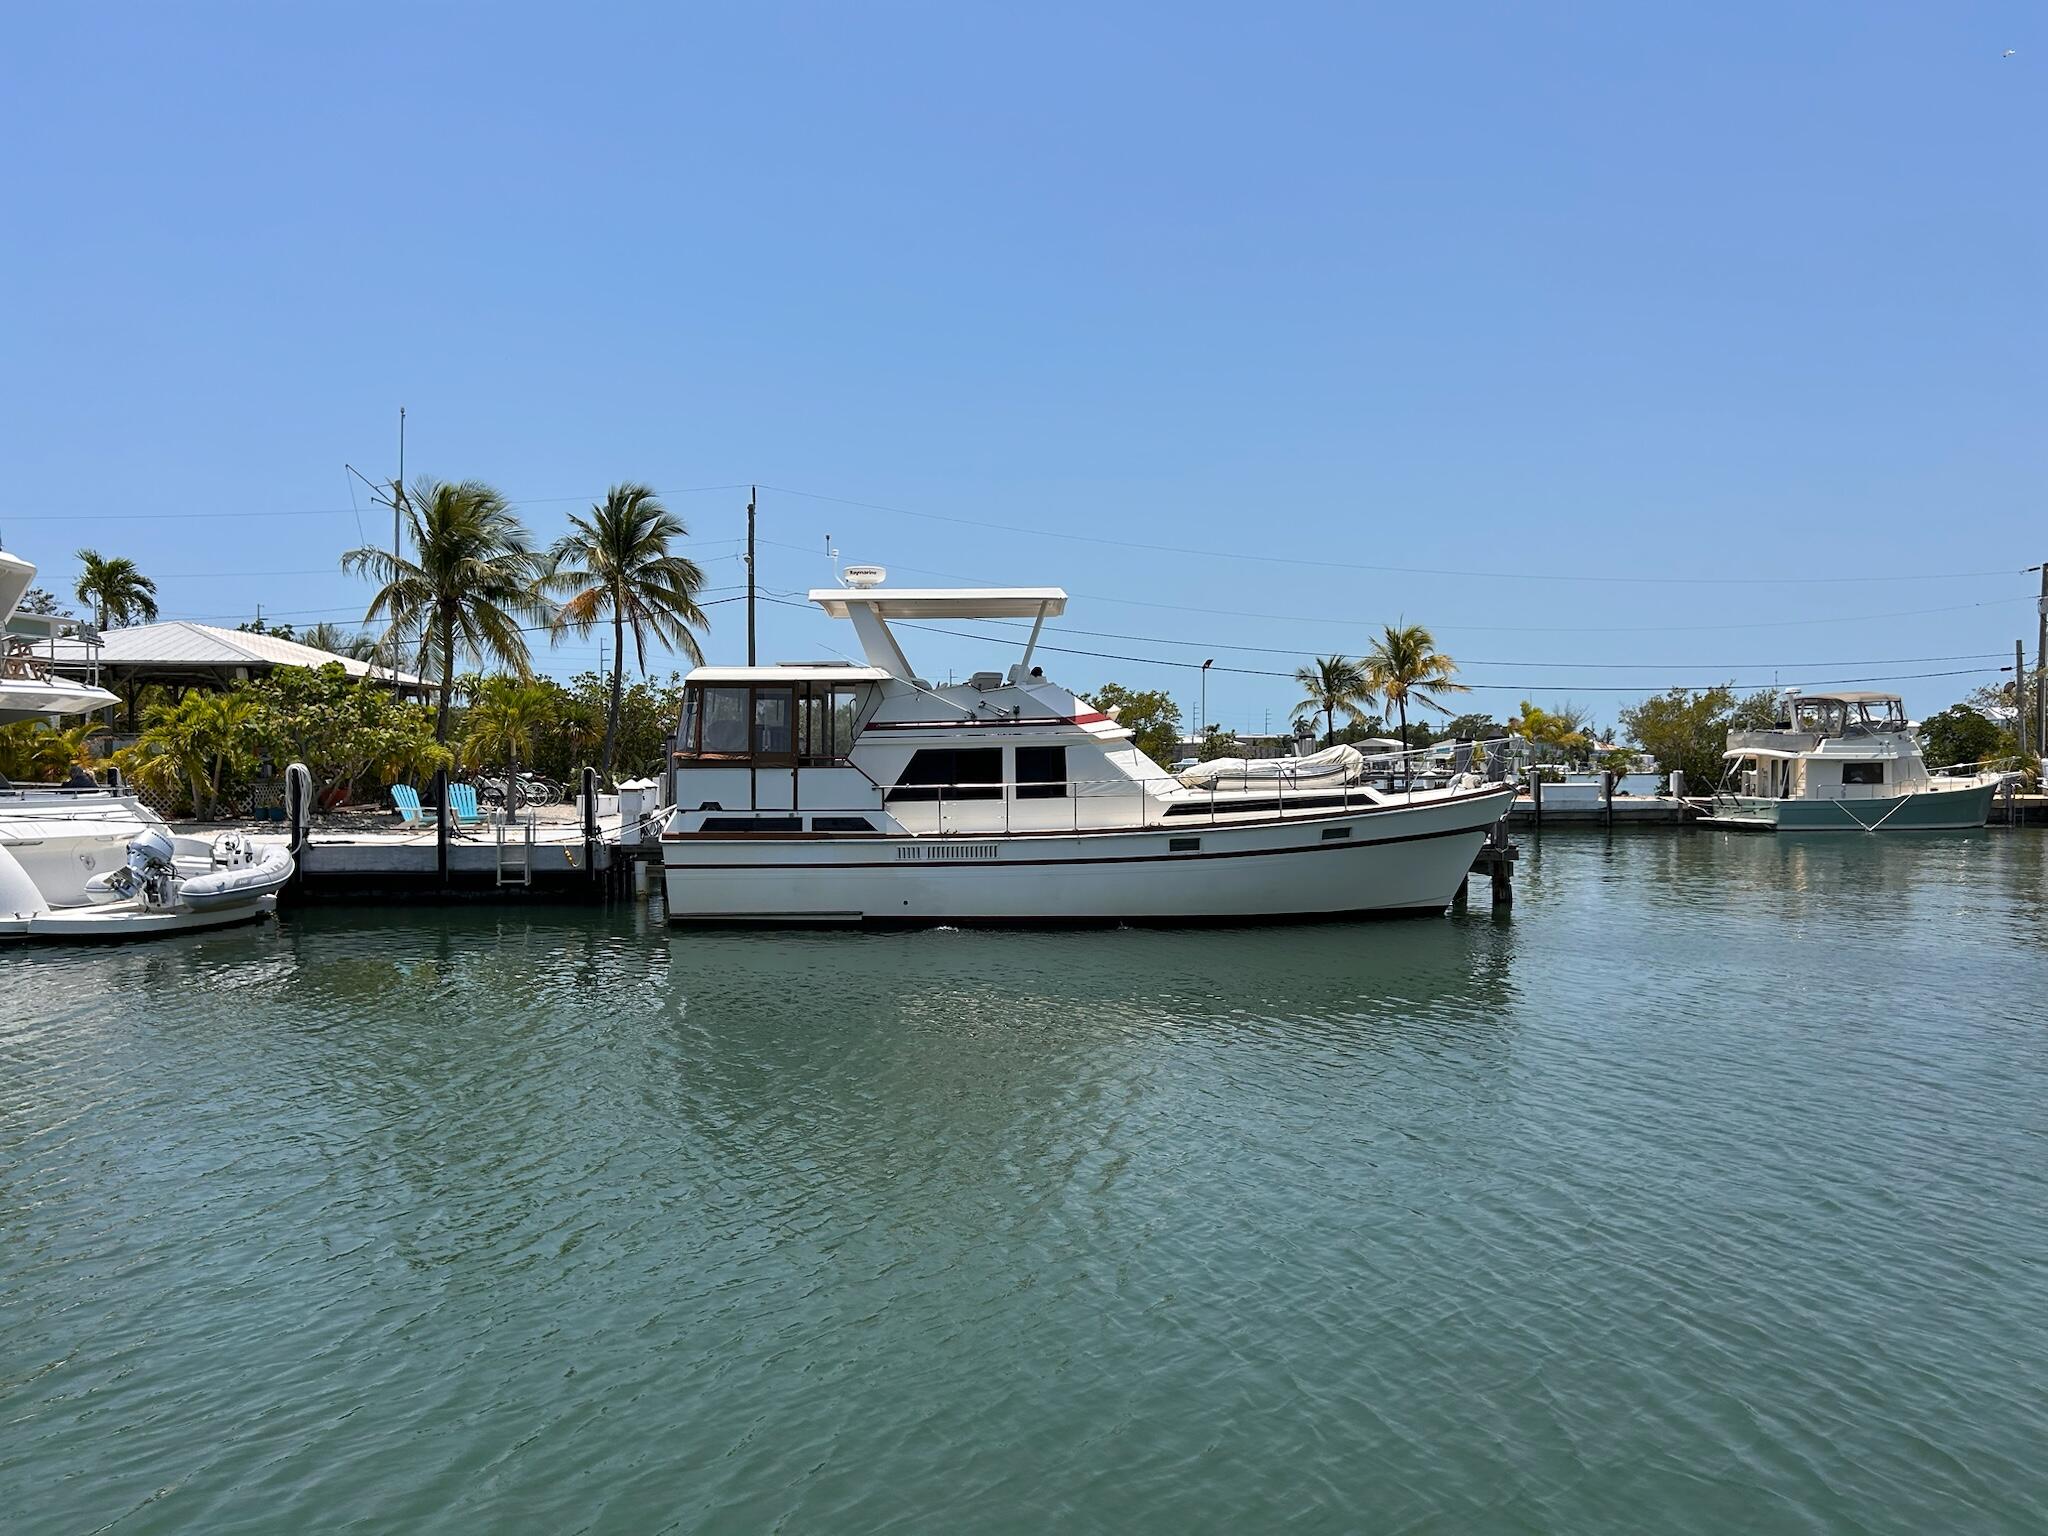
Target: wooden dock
[[578, 853]]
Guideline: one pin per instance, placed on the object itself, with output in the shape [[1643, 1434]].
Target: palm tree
[[466, 589], [503, 724], [1331, 683], [1404, 662], [117, 591], [617, 562], [38, 751], [193, 743], [352, 643]]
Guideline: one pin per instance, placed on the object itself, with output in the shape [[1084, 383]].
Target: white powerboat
[[1843, 762], [836, 793], [90, 861]]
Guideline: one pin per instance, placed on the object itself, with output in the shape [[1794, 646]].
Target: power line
[[1321, 563], [1588, 666], [1476, 687], [1497, 629]]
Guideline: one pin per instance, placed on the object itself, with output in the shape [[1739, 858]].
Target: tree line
[[471, 589]]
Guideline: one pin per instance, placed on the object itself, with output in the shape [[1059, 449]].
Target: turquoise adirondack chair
[[462, 806], [407, 799]]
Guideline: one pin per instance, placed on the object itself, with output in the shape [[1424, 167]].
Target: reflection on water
[[1701, 1194]]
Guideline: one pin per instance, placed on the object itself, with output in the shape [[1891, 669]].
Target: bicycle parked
[[531, 789]]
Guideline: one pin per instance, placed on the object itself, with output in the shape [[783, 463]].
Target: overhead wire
[[1324, 563], [1477, 687]]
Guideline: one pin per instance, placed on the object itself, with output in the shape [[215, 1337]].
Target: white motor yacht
[[829, 792], [85, 860], [1843, 762]]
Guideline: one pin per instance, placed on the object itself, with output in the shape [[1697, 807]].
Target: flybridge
[[871, 607]]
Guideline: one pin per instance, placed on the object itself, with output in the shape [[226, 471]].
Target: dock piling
[[441, 822]]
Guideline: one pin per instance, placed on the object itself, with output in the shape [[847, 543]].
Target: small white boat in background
[[88, 861]]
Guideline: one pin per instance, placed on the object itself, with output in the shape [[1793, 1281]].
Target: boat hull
[[1385, 860], [1926, 810], [127, 920]]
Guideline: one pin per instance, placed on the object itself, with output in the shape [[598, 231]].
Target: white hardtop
[[788, 672], [943, 602], [1844, 698]]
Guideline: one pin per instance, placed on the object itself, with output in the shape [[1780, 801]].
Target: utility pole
[[2041, 672], [397, 501], [2019, 693], [753, 495]]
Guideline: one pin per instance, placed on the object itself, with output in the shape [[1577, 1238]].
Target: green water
[[1705, 1194]]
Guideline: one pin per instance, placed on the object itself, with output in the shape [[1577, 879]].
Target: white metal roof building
[[182, 652]]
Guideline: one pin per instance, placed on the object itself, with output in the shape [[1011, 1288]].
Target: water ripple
[[1704, 1194]]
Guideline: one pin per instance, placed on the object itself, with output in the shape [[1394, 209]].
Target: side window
[[950, 773], [1863, 773], [725, 722], [774, 723], [693, 709], [814, 727], [1041, 773], [845, 711]]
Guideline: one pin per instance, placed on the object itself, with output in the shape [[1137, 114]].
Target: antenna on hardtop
[[832, 554]]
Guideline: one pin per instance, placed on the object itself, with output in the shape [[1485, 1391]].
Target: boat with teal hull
[[1843, 762]]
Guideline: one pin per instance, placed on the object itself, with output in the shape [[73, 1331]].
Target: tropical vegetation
[[194, 744], [1404, 664], [618, 563], [1150, 715], [35, 752], [1333, 683], [1962, 734], [117, 591], [1564, 730], [468, 590]]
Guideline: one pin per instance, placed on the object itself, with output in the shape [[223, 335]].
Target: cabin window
[[725, 722], [841, 824], [950, 773], [770, 724], [826, 717], [774, 725], [1863, 773], [1041, 773], [753, 823], [1335, 834], [1183, 845]]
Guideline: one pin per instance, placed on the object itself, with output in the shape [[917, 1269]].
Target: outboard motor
[[150, 874]]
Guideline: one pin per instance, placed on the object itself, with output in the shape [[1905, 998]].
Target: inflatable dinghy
[[167, 885]]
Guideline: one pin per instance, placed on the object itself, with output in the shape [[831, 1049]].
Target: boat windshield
[[808, 723], [1849, 716]]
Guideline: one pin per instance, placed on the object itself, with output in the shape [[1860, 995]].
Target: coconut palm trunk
[[617, 562], [464, 592], [611, 717], [447, 682]]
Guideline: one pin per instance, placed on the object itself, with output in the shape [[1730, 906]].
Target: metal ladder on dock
[[515, 854]]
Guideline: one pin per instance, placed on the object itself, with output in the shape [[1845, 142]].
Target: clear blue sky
[[1599, 291]]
